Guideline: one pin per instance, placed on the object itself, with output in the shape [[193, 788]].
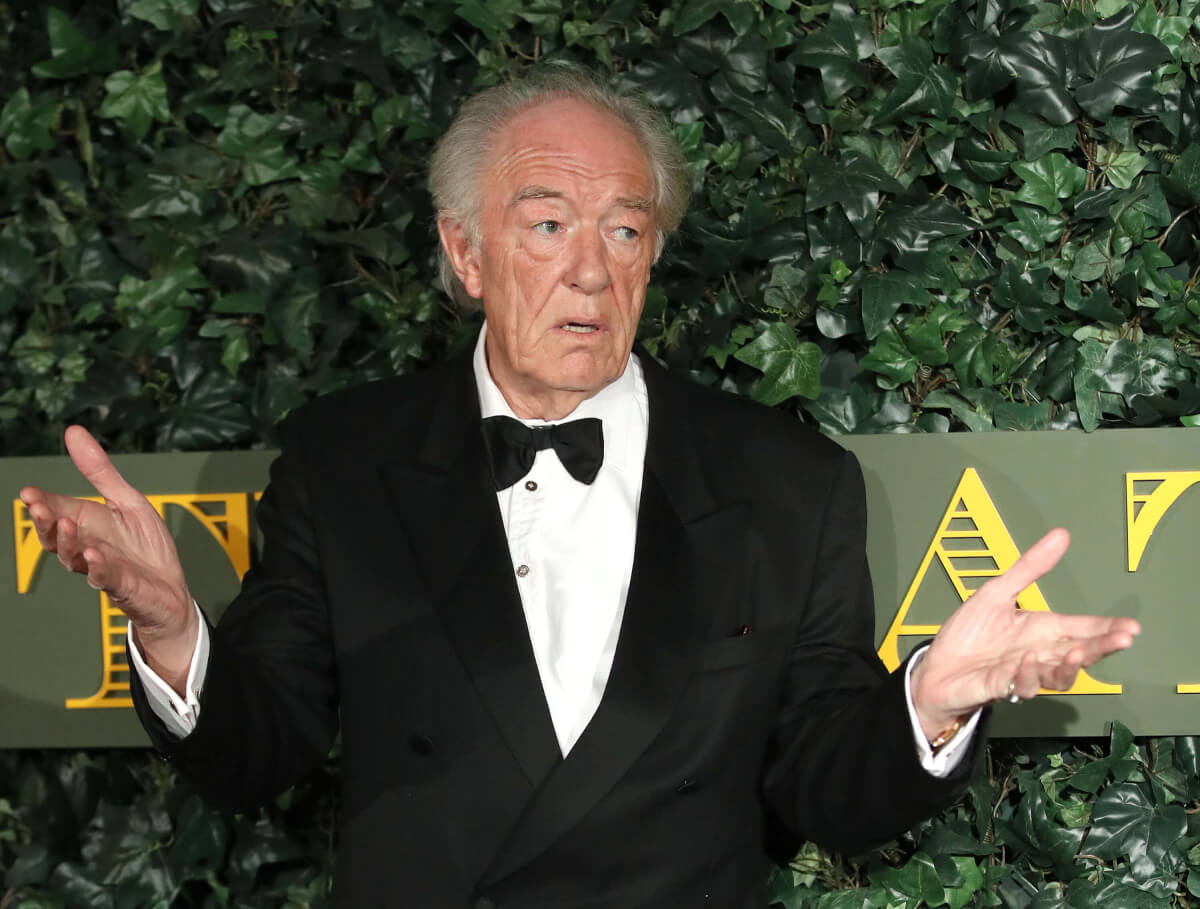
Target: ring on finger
[[1011, 694]]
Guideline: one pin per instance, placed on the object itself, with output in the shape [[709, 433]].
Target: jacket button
[[688, 785], [421, 744]]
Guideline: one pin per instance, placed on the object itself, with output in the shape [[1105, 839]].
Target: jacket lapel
[[449, 509], [680, 534]]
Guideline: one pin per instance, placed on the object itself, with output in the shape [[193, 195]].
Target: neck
[[548, 405]]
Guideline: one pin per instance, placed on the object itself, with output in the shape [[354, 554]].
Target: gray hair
[[458, 161]]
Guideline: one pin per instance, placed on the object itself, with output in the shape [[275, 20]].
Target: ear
[[463, 256]]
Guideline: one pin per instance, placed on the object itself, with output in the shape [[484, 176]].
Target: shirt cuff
[[178, 714], [951, 754]]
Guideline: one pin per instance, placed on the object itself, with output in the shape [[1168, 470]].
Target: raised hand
[[123, 548], [989, 649]]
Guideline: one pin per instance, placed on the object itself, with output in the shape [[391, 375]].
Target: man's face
[[567, 241]]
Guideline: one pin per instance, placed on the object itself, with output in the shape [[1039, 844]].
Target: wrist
[[168, 652], [938, 723]]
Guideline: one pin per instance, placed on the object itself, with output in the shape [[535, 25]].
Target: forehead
[[569, 142]]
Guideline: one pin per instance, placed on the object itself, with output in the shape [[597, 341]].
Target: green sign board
[[947, 512]]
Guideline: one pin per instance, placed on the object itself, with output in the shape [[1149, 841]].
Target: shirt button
[[531, 485], [522, 570]]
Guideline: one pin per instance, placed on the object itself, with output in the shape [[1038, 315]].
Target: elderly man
[[583, 626]]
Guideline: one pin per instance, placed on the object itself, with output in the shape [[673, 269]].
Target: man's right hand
[[124, 549]]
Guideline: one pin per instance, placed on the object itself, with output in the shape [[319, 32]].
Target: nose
[[588, 273]]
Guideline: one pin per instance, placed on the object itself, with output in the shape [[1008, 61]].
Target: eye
[[548, 228], [625, 233]]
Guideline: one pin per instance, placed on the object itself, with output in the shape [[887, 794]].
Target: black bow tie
[[512, 446]]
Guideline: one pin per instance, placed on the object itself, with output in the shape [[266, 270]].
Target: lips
[[580, 328]]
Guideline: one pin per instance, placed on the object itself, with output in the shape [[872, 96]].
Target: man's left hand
[[990, 649]]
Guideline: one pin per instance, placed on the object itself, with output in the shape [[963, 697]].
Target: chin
[[590, 378]]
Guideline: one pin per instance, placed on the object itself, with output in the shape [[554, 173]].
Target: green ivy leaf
[[925, 336], [786, 292], [1096, 305], [912, 228], [235, 350], [18, 273], [922, 86], [695, 13], [1039, 62], [1184, 177], [960, 895], [854, 184], [1120, 167], [1042, 63], [137, 100], [1047, 180], [200, 836], [1039, 137], [1126, 820], [165, 15], [740, 334], [882, 296], [790, 367], [209, 415], [973, 356], [26, 126], [1088, 384], [890, 357], [1150, 367], [836, 51], [1026, 293], [1013, 415], [917, 880], [72, 53], [248, 302], [1118, 65], [1090, 262], [494, 18], [1170, 30], [159, 305], [1034, 228], [255, 139]]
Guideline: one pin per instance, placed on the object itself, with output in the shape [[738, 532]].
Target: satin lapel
[[679, 532], [449, 510]]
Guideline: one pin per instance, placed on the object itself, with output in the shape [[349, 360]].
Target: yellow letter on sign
[[972, 543], [1143, 511], [225, 515]]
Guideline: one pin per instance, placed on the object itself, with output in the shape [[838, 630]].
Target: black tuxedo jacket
[[744, 685]]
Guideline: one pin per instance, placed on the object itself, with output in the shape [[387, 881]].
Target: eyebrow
[[635, 203]]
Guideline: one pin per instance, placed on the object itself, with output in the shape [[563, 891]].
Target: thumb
[[91, 461]]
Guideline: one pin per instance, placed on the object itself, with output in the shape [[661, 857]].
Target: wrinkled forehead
[[570, 140]]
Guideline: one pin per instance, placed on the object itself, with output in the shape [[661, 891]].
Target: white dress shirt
[[571, 547]]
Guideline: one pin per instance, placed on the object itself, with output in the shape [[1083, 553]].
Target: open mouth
[[581, 328]]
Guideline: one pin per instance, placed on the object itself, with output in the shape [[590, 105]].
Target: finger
[[1089, 626], [1026, 680], [70, 553], [45, 508], [102, 573], [43, 519], [1037, 560], [97, 469]]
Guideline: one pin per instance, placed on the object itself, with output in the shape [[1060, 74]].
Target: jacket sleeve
[[268, 709], [842, 768]]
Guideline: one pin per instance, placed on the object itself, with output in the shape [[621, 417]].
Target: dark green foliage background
[[910, 216]]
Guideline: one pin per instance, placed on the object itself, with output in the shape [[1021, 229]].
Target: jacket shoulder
[[731, 422], [369, 417]]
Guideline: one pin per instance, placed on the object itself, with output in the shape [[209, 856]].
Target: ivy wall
[[909, 216]]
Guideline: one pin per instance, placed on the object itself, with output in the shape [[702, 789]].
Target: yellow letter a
[[972, 542]]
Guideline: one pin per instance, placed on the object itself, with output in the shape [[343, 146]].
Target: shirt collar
[[620, 406]]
